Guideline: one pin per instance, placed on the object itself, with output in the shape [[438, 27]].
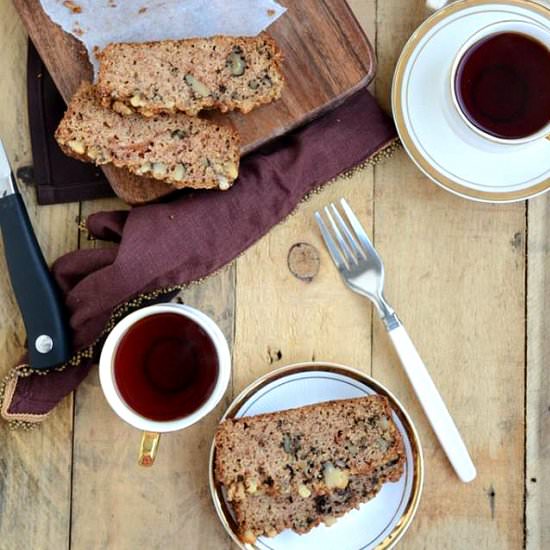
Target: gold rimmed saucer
[[446, 152], [377, 524]]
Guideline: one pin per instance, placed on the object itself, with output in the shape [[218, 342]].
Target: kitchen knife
[[34, 288]]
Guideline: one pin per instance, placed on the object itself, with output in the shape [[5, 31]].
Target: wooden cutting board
[[327, 58]]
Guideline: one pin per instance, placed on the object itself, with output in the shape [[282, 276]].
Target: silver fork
[[362, 270]]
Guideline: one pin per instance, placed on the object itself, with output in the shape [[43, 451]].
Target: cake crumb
[[77, 29], [73, 6], [270, 12], [143, 9]]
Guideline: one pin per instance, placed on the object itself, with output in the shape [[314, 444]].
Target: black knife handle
[[34, 288]]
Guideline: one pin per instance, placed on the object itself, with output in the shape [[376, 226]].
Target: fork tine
[[359, 230], [344, 247], [329, 241], [354, 245]]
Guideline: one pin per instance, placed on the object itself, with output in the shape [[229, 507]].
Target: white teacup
[[153, 428], [532, 30], [453, 111]]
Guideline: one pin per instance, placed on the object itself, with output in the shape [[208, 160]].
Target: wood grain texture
[[327, 57], [141, 507], [35, 467], [537, 411], [147, 507], [64, 56], [455, 275], [282, 319], [538, 376]]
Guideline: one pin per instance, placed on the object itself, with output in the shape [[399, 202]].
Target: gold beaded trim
[[380, 156], [29, 421]]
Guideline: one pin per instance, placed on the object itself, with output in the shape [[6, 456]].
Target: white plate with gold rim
[[377, 524], [446, 153]]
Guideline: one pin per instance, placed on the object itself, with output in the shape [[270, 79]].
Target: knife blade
[[35, 291]]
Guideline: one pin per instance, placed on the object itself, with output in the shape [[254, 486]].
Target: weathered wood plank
[[466, 318], [35, 466], [455, 274], [139, 507], [538, 376], [282, 319]]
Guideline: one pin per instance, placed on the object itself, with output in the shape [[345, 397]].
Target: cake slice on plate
[[299, 467], [311, 449]]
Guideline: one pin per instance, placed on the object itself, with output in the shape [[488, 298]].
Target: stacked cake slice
[[221, 72], [297, 468], [180, 150], [142, 114]]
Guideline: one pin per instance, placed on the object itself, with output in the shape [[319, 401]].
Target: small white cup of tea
[[163, 368], [499, 83]]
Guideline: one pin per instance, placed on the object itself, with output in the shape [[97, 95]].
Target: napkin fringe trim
[[28, 421]]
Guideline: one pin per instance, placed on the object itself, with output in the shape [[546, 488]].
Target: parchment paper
[[98, 22]]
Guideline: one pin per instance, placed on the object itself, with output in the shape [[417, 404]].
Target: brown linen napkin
[[164, 246]]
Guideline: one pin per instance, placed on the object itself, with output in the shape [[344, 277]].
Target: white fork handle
[[433, 405]]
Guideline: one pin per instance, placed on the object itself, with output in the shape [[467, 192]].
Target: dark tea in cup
[[502, 85], [166, 366], [163, 368]]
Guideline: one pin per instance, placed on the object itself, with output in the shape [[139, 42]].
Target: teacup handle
[[148, 448], [434, 5]]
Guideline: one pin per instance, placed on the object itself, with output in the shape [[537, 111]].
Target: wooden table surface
[[470, 281]]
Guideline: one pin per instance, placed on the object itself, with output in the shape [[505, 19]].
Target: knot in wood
[[303, 261]]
